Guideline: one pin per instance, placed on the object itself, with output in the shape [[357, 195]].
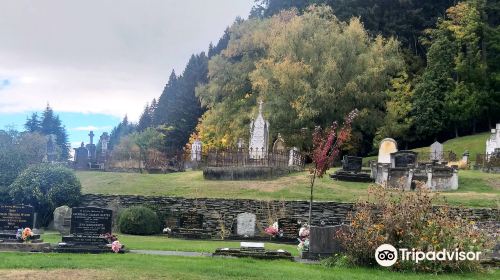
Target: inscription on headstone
[[246, 224], [13, 217], [404, 158], [191, 220], [436, 151], [352, 164], [323, 240], [289, 227], [90, 221]]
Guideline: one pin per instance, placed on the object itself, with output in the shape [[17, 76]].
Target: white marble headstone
[[245, 224], [494, 141], [387, 147], [436, 151], [196, 150]]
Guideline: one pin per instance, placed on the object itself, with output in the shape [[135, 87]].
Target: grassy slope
[[476, 189], [134, 266], [475, 144]]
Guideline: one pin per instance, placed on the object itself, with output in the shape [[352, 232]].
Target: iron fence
[[251, 157]]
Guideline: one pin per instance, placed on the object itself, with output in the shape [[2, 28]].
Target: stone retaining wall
[[224, 211]]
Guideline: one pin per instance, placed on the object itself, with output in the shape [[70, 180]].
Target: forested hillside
[[416, 70]]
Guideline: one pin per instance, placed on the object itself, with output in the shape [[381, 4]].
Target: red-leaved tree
[[326, 148]]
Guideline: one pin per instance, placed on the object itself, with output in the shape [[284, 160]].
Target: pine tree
[[50, 124], [33, 124], [145, 119], [124, 128]]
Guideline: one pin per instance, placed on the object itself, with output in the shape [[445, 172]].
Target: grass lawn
[[159, 242], [135, 266], [477, 189]]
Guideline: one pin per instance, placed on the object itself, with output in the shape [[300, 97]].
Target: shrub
[[408, 220], [139, 220], [46, 187]]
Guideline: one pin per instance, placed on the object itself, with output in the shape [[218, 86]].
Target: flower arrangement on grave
[[273, 230], [303, 238], [24, 235], [110, 237], [116, 246]]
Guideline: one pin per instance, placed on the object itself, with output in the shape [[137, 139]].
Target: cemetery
[[312, 139]]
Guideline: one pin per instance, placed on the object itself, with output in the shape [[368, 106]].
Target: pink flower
[[116, 246]]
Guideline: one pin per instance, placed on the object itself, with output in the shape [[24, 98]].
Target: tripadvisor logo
[[386, 255]]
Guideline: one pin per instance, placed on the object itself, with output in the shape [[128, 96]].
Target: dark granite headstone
[[323, 241], [90, 221], [191, 220], [289, 228], [352, 164], [81, 157], [13, 217], [403, 159]]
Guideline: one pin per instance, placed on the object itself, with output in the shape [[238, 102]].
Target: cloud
[[91, 127], [96, 56]]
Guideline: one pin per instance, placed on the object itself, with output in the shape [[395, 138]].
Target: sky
[[95, 61]]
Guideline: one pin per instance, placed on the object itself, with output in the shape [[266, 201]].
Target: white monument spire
[[259, 136]]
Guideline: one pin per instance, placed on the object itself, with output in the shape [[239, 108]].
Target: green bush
[[139, 220], [46, 187]]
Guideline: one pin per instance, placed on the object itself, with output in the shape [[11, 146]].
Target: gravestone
[[352, 164], [89, 225], [104, 140], [245, 224], [62, 219], [12, 218], [259, 136], [91, 147], [190, 225], [289, 228], [81, 157], [294, 157], [323, 242], [387, 147], [436, 151], [196, 149], [493, 142], [279, 145], [91, 221], [403, 159], [351, 171], [191, 220]]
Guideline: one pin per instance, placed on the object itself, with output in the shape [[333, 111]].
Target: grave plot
[[254, 250], [90, 232], [16, 224]]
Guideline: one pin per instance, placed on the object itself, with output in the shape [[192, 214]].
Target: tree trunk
[[456, 131], [311, 197], [474, 126]]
